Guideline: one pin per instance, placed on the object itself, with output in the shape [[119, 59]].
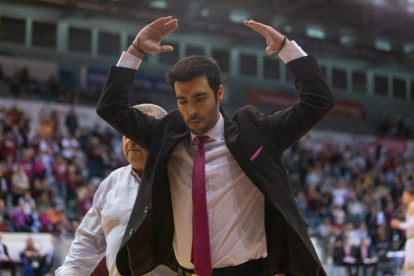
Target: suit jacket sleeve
[[315, 101], [114, 107]]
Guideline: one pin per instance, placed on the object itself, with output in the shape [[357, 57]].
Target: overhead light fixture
[[158, 4], [382, 44], [205, 12], [238, 16], [315, 32], [409, 48], [345, 39], [287, 28], [277, 22]]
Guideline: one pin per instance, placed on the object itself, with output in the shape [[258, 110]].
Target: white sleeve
[[129, 61], [89, 246], [291, 51], [408, 224]]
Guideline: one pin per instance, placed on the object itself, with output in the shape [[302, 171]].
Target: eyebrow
[[195, 96]]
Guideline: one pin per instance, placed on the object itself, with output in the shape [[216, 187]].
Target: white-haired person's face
[[135, 155]]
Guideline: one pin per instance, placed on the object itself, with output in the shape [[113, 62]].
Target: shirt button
[[146, 209], [131, 231]]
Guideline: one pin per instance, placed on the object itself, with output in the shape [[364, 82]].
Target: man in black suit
[[365, 259], [5, 261], [215, 198], [346, 254]]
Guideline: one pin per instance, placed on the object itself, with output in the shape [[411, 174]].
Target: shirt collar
[[215, 133], [135, 175]]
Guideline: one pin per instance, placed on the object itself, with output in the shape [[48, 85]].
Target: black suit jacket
[[148, 240], [339, 254]]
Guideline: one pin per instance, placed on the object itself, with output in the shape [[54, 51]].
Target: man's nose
[[191, 109]]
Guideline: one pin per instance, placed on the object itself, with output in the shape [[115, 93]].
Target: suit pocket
[[256, 154]]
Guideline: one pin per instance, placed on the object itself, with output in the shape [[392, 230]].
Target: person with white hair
[[101, 231]]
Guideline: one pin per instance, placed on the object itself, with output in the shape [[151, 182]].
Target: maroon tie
[[200, 250]]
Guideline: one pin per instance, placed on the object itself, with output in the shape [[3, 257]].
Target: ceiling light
[[238, 16], [315, 31], [158, 4]]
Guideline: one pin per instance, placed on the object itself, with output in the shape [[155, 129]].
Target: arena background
[[347, 174]]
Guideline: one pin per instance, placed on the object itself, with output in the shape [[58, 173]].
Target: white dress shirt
[[234, 204], [103, 227]]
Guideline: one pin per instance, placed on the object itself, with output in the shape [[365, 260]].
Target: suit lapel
[[231, 134]]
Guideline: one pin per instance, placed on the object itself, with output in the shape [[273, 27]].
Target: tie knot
[[201, 140]]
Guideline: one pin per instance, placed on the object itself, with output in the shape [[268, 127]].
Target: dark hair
[[195, 66]]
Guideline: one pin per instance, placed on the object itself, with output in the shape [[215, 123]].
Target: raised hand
[[274, 39], [149, 38]]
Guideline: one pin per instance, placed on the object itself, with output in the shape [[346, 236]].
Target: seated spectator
[[19, 183], [365, 258], [325, 234], [85, 200], [5, 261], [8, 168], [362, 232], [27, 163], [44, 201], [302, 202], [351, 234], [8, 145], [355, 210], [60, 174], [28, 202], [73, 182], [19, 220], [45, 220], [39, 168], [32, 255], [69, 146], [4, 215], [345, 254]]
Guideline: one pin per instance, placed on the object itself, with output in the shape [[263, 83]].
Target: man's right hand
[[151, 35]]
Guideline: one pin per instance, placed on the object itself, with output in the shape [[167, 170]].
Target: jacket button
[[146, 209], [131, 231]]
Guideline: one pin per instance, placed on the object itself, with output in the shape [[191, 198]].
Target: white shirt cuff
[[291, 52], [129, 61]]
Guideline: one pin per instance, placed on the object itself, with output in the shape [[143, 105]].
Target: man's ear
[[220, 93]]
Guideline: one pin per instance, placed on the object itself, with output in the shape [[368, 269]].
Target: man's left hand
[[274, 39]]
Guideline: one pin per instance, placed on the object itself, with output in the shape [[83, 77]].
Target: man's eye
[[200, 99], [183, 102]]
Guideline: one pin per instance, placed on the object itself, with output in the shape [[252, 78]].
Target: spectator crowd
[[47, 182], [348, 196]]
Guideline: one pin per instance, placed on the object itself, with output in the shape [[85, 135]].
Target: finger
[[170, 29], [256, 24], [268, 51], [260, 28], [169, 24], [269, 48], [166, 48], [161, 21]]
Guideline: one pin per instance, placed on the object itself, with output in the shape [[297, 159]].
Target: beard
[[209, 121]]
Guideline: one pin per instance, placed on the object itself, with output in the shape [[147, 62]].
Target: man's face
[[135, 155], [407, 197], [198, 104]]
